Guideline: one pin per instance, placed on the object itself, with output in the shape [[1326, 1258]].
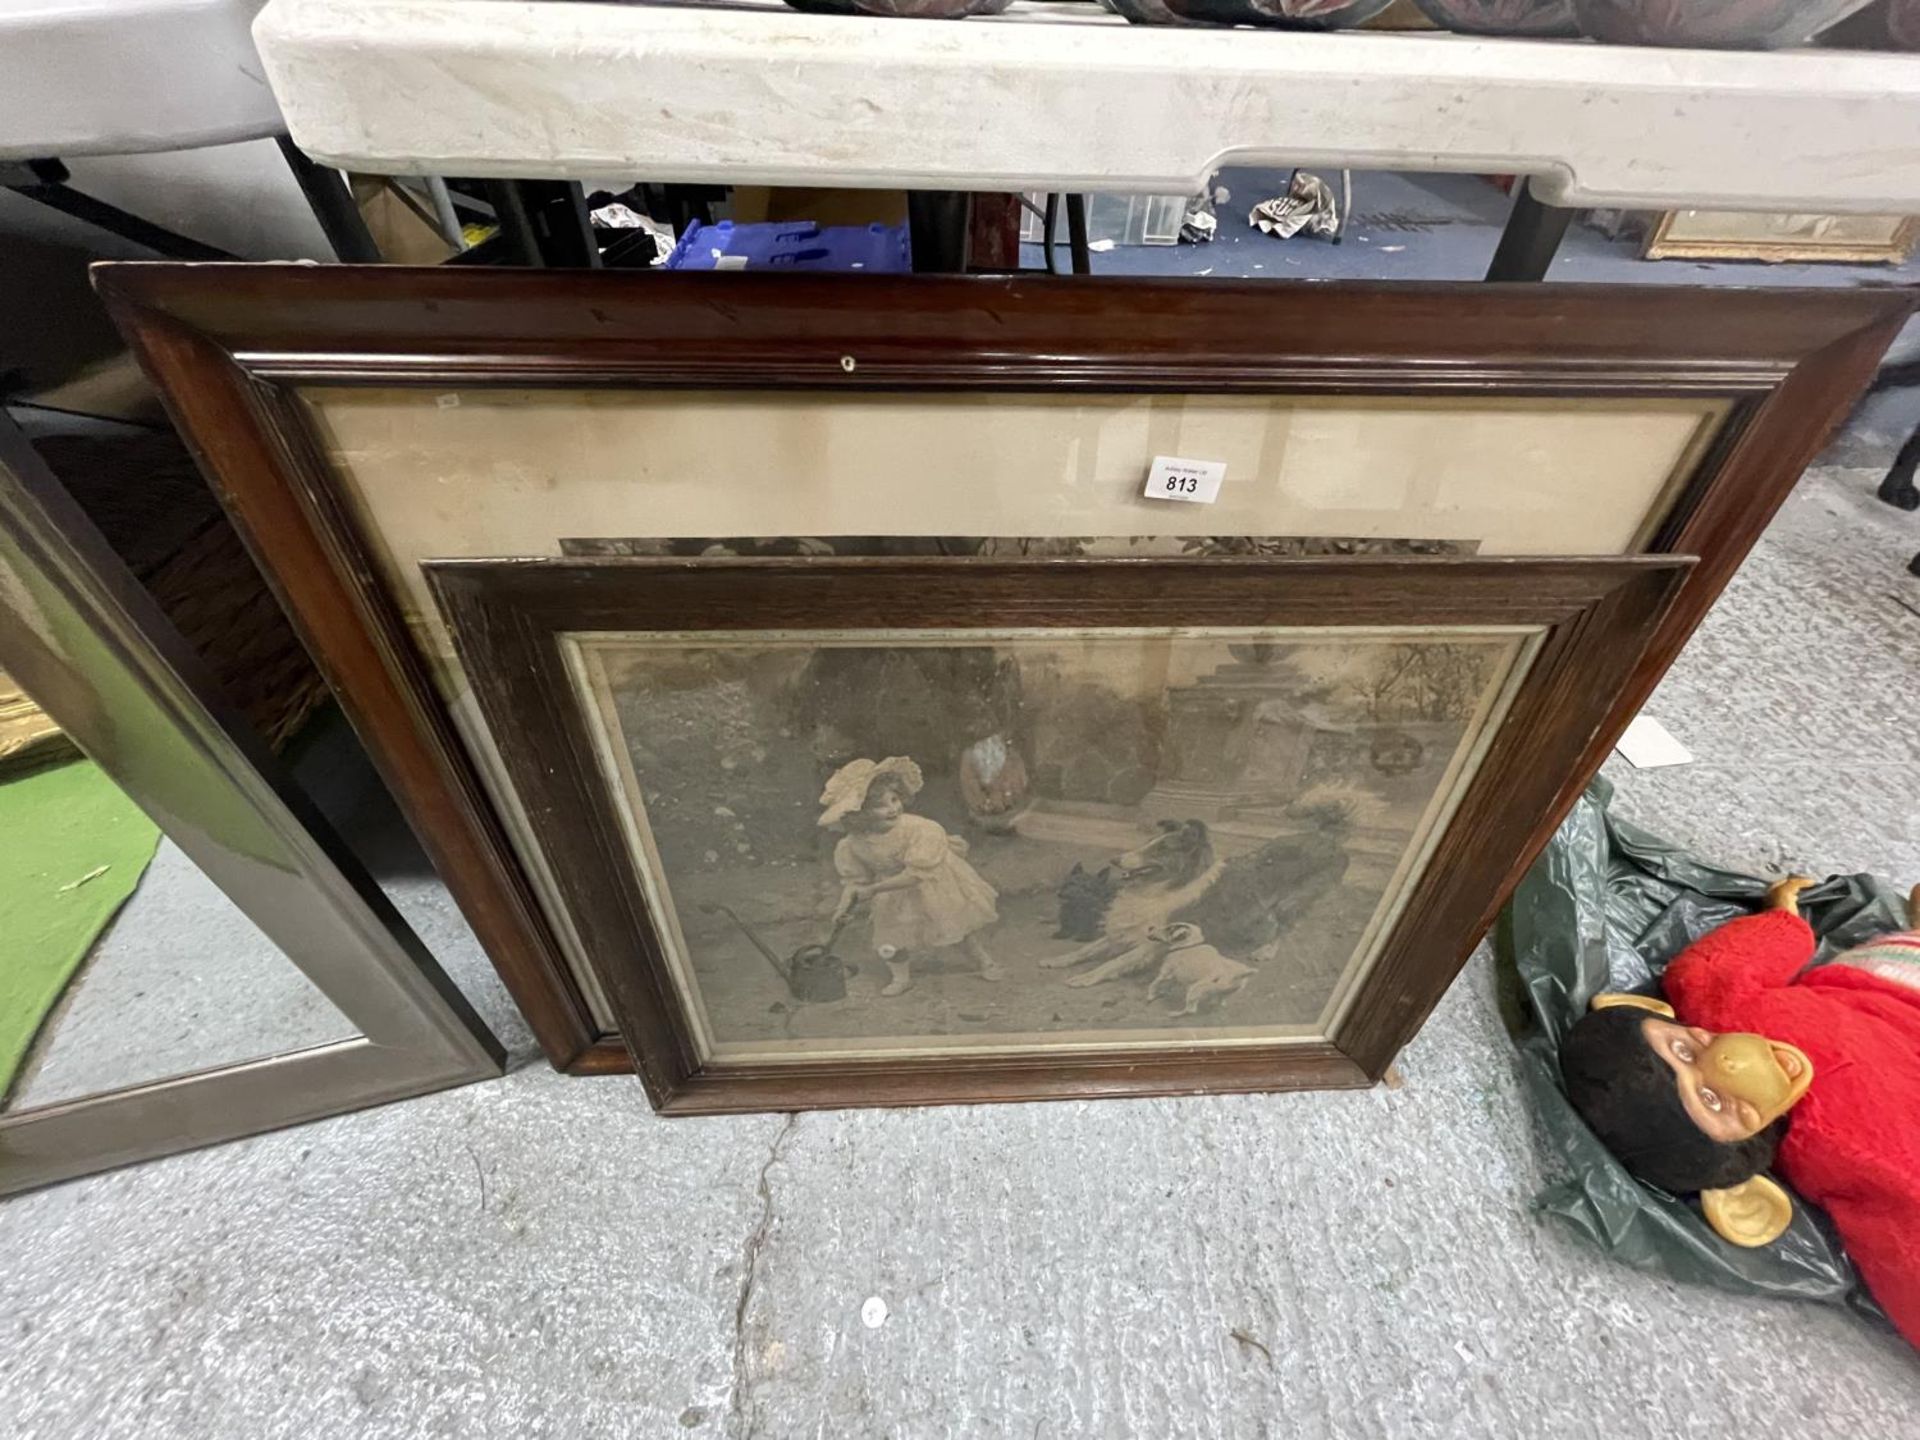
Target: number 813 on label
[[1195, 481]]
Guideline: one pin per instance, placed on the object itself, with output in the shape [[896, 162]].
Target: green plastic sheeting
[[1606, 906], [72, 849]]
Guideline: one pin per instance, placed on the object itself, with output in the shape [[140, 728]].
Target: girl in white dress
[[923, 895]]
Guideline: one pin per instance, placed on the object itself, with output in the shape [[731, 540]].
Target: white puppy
[[1209, 976]]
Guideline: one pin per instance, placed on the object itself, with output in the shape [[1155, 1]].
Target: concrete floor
[[542, 1256]]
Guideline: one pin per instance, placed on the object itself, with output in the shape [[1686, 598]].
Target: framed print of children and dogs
[[368, 428], [881, 831]]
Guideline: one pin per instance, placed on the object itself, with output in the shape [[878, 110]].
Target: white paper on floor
[[1648, 745]]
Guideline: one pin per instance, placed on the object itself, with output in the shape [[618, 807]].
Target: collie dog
[[1242, 906]]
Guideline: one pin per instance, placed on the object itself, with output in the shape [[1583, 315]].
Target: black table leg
[[544, 223], [937, 222], [1532, 235], [332, 204], [569, 238], [516, 225], [1077, 235]]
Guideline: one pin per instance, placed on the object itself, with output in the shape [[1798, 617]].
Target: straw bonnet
[[847, 790]]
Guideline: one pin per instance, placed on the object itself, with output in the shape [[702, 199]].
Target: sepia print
[[995, 840]]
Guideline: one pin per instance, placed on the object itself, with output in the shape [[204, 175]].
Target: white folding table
[[1065, 97], [136, 77]]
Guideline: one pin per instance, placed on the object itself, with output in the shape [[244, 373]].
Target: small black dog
[[1084, 896]]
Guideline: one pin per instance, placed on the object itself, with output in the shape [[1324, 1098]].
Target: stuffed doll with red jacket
[[1761, 1062]]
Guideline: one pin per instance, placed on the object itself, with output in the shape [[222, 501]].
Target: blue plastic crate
[[793, 245]]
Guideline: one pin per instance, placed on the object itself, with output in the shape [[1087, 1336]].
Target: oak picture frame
[[231, 347], [509, 618]]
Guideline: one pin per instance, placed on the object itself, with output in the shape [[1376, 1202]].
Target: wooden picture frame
[[1781, 238], [234, 349], [512, 619]]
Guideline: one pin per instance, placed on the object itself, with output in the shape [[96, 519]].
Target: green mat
[[72, 848]]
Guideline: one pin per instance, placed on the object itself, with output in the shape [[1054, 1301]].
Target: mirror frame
[[96, 647]]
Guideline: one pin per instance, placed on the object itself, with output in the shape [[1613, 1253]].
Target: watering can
[[813, 973]]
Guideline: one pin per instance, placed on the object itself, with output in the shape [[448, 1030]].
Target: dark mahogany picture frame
[[231, 346], [508, 617]]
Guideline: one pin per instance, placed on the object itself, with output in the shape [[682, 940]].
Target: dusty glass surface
[[493, 472], [121, 962], [179, 982], [994, 840]]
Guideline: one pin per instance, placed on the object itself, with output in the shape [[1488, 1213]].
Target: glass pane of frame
[[494, 471], [124, 963], [994, 841]]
